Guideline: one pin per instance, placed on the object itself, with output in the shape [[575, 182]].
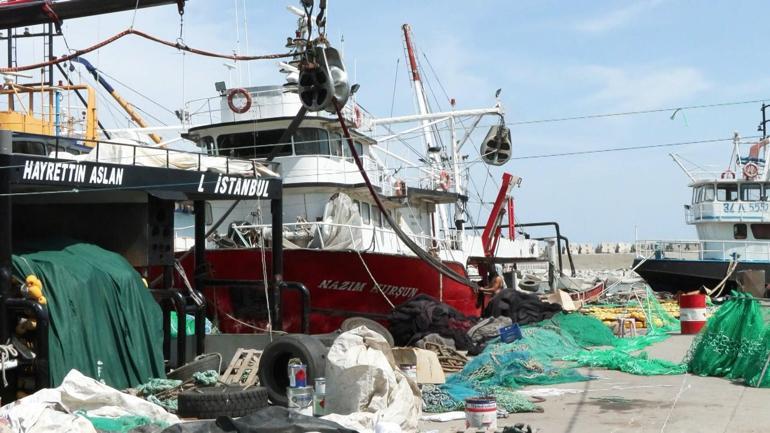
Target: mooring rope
[[131, 31]]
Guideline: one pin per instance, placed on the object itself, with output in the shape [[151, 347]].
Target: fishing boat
[[730, 212], [337, 239]]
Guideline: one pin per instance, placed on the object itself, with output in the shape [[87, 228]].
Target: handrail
[[743, 250]]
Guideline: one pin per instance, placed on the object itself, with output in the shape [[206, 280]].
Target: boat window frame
[[265, 149], [740, 231], [321, 144], [335, 144], [744, 187], [763, 233], [366, 213], [376, 215], [709, 188], [729, 187]]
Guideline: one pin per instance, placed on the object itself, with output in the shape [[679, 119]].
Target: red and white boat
[[336, 240]]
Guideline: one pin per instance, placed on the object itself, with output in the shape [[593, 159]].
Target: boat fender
[[750, 170], [444, 181], [358, 119], [242, 93], [728, 174], [274, 363]]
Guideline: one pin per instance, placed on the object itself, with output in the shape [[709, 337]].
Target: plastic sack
[[365, 386]]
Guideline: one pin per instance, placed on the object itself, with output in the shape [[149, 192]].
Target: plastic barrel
[[692, 313]]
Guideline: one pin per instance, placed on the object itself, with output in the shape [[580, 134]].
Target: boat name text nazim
[[68, 172], [359, 286]]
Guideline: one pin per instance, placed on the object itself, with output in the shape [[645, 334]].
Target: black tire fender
[[273, 365], [214, 401]]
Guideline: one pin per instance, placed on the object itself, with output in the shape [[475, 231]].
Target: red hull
[[339, 286]]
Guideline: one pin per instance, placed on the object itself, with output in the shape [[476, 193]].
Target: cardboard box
[[428, 368]]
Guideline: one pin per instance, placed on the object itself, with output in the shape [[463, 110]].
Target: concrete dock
[[619, 402]]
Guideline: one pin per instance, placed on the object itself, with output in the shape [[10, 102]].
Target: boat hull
[[340, 286], [673, 275]]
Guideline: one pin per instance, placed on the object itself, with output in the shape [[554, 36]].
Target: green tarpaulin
[[100, 310]]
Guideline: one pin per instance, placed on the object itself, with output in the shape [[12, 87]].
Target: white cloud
[[616, 18], [642, 88]]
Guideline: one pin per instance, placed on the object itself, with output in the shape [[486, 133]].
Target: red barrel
[[692, 313]]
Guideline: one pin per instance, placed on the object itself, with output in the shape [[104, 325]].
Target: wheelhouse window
[[336, 144], [708, 193], [751, 192], [739, 231], [376, 216], [366, 216], [253, 144], [760, 231], [727, 193], [29, 147], [311, 141]]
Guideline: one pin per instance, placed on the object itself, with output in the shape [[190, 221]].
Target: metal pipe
[[6, 238], [276, 210]]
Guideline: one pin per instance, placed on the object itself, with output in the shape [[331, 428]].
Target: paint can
[[409, 370], [692, 313], [297, 375], [300, 400], [319, 397], [481, 412]]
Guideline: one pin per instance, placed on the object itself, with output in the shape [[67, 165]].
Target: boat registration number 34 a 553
[[360, 286], [744, 207]]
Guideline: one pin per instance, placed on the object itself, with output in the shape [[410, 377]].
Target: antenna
[[763, 126]]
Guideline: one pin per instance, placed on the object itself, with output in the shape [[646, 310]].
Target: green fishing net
[[121, 424], [734, 343], [548, 353]]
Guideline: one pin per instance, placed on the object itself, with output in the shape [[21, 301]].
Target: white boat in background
[[731, 213]]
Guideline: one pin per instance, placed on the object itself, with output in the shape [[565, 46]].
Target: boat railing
[[721, 250], [375, 239], [113, 152]]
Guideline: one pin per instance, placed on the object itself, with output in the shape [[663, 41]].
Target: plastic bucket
[[300, 400], [692, 313], [481, 412]]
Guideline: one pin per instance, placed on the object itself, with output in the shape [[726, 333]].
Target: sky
[[552, 59]]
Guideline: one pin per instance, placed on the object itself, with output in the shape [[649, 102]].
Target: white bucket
[[481, 412], [301, 400]]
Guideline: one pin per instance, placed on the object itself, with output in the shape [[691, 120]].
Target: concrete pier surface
[[619, 402]]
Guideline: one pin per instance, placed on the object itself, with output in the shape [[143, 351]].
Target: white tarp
[[51, 410], [341, 225], [365, 387]]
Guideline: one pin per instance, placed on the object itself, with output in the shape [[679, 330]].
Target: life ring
[[750, 170], [358, 117], [241, 92], [443, 180], [728, 174]]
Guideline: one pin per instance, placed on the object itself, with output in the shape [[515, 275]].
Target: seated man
[[494, 283]]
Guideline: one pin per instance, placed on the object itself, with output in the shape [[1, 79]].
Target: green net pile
[[547, 354], [735, 343], [123, 424]]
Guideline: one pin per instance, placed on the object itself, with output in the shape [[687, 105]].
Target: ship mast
[[433, 151]]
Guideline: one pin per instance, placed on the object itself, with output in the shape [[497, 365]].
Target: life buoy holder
[[728, 174], [242, 93], [750, 170], [399, 188], [444, 181]]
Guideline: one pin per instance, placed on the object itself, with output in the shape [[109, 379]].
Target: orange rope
[[178, 45]]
